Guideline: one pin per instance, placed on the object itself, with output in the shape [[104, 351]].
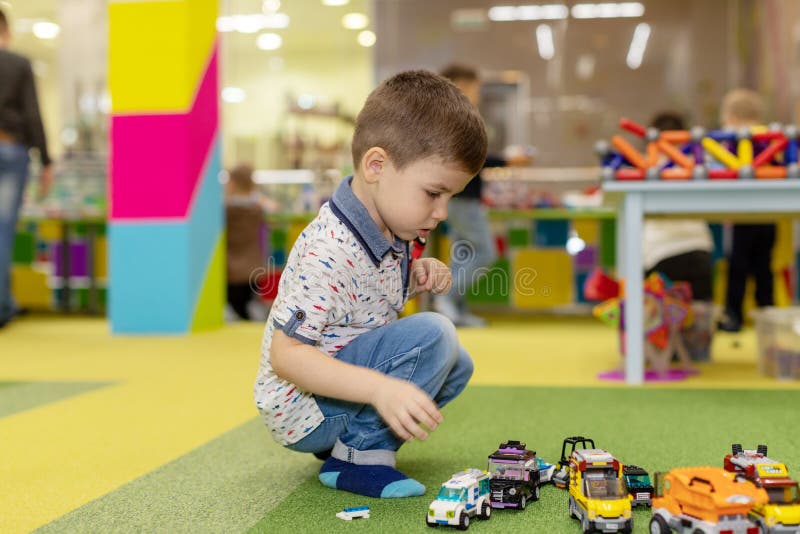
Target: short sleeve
[[313, 291]]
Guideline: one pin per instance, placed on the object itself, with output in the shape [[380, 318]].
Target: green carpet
[[16, 397], [224, 486], [655, 428]]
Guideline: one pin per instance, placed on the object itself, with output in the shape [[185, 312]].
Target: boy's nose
[[440, 212]]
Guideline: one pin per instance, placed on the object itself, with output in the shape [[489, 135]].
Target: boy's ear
[[374, 162]]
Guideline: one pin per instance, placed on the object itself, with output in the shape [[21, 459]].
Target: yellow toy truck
[[704, 500], [782, 513], [598, 497]]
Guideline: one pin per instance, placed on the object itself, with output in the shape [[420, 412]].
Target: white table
[[635, 199]]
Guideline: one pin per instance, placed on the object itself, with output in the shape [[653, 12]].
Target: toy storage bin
[[697, 337], [778, 335]]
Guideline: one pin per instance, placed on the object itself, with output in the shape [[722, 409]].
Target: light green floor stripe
[[656, 428], [225, 486], [20, 396]]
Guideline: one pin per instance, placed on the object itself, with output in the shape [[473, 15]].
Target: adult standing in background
[[472, 243], [20, 129]]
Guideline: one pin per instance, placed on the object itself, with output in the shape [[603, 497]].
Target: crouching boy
[[340, 375]]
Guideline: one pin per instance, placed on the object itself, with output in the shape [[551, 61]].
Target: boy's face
[[410, 202]]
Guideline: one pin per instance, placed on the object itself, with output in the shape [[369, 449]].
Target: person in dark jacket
[[20, 129]]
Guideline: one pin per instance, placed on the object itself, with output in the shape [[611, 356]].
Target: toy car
[[356, 512], [546, 471], [639, 486], [515, 476], [561, 476], [598, 497], [782, 512], [465, 495], [704, 500]]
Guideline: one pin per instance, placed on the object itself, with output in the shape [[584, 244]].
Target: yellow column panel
[[138, 52]]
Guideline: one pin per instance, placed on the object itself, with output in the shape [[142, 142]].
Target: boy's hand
[[406, 408], [429, 274]]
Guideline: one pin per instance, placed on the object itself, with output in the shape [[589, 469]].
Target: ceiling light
[[233, 95], [252, 23], [367, 38], [46, 30], [355, 21], [270, 6], [638, 45], [544, 39], [528, 12], [269, 41], [335, 2], [306, 101], [607, 10]]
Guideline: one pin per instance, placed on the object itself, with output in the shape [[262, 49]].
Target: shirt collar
[[352, 212]]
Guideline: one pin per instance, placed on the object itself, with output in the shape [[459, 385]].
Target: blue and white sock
[[382, 481]]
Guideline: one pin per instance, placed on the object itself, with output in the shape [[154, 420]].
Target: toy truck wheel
[[463, 521], [586, 526], [535, 495], [486, 511], [659, 526], [572, 512], [523, 502]]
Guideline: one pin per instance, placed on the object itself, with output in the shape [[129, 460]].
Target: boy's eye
[[433, 194]]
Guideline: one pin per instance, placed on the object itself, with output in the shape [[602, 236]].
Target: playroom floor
[[159, 434]]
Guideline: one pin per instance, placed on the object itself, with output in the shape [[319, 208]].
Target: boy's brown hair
[[418, 114], [742, 106], [3, 22]]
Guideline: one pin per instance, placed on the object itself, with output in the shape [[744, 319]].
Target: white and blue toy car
[[462, 497]]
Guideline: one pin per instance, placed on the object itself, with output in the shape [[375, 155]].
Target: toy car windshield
[[452, 494], [603, 488]]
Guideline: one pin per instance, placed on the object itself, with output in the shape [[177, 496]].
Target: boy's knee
[[464, 363], [439, 331]]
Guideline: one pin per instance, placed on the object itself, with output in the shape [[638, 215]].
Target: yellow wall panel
[[158, 52], [29, 288], [541, 278], [587, 230]]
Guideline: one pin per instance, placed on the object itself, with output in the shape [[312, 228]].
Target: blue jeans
[[423, 349], [472, 245], [13, 175]]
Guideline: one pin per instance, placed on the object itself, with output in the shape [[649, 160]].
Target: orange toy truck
[[704, 500]]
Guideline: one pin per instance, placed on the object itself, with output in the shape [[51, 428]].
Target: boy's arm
[[401, 404]]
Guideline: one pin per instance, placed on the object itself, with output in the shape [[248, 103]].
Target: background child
[[244, 219], [751, 247], [340, 375]]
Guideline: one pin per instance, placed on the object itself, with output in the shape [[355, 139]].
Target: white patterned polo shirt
[[342, 279]]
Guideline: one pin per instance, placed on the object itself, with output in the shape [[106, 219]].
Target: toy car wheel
[[463, 521], [535, 495], [659, 526], [432, 525], [523, 502], [486, 511]]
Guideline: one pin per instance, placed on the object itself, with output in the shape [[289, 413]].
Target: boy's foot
[[370, 480]]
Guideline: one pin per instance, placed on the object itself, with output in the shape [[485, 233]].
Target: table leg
[[634, 295]]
